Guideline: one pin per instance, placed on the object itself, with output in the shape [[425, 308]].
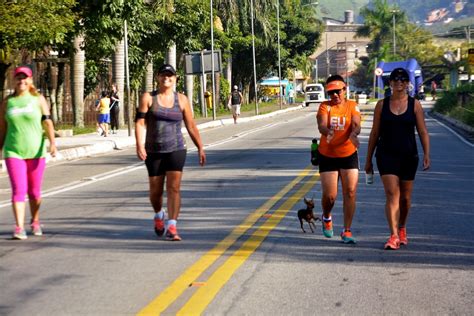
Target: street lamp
[[254, 64], [212, 65], [279, 56]]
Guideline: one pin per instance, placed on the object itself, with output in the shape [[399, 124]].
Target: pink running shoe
[[36, 228]]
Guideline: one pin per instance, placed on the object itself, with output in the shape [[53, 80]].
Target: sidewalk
[[86, 145]]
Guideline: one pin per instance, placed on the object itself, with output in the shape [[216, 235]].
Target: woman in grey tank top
[[163, 148]]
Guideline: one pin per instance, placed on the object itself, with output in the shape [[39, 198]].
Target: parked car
[[313, 93]]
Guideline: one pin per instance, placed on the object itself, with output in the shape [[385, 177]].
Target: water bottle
[[314, 152]]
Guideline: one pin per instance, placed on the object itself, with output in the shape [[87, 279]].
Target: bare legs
[[173, 193], [398, 201], [349, 178]]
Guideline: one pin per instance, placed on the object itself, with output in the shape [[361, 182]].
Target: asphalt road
[[243, 252]]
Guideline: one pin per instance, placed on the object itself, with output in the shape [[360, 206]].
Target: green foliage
[[32, 25], [224, 91], [451, 103]]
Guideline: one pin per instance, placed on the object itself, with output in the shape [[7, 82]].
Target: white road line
[[120, 171], [452, 131]]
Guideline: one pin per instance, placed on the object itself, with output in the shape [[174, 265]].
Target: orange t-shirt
[[339, 120]]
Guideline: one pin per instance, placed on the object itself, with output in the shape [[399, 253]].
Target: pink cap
[[23, 70]]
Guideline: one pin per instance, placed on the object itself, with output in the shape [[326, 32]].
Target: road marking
[[205, 294], [172, 292], [451, 130]]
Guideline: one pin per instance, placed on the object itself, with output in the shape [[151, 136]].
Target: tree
[[378, 26], [31, 26]]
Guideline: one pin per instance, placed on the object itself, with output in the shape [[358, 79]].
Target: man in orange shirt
[[339, 125]]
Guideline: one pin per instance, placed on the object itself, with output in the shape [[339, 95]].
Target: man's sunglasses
[[403, 79], [331, 92]]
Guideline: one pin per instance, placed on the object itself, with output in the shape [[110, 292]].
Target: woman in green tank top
[[23, 116]]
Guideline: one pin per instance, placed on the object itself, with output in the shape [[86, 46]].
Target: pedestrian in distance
[[291, 96], [234, 102], [114, 109], [163, 147], [104, 113], [339, 125], [393, 137], [434, 86], [23, 115]]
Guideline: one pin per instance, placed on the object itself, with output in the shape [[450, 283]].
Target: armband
[[45, 117], [140, 115]]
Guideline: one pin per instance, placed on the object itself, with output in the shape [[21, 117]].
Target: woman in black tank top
[[393, 134]]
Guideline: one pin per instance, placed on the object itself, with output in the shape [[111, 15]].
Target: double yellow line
[[205, 294]]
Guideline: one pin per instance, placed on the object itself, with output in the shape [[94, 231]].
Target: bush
[[458, 103]]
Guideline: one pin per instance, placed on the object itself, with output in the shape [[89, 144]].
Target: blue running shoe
[[347, 237], [327, 229]]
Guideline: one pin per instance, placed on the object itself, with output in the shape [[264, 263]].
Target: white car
[[313, 93]]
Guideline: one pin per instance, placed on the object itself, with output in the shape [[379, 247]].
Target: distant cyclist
[[235, 100]]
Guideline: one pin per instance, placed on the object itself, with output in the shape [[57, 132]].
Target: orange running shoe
[[392, 243], [172, 233], [159, 226], [402, 234]]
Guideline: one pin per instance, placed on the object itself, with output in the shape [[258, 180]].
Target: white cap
[[235, 87]]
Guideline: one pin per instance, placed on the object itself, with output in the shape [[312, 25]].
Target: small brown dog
[[308, 215]]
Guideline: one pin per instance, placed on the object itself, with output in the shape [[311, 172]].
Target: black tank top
[[397, 132], [235, 97]]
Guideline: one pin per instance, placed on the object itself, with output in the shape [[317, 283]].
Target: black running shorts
[[403, 167], [335, 164], [158, 164]]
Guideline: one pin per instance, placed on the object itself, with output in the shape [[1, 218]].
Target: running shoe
[[19, 233], [327, 229], [402, 234], [36, 228], [347, 237], [392, 243], [172, 233], [159, 226]]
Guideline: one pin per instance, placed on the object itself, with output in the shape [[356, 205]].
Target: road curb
[[103, 146], [456, 123]]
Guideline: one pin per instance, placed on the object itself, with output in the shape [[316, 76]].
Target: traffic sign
[[378, 71], [471, 56]]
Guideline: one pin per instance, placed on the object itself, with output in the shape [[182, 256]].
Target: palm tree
[[78, 67], [119, 75], [378, 25]]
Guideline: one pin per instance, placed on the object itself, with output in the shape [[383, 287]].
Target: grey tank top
[[163, 127]]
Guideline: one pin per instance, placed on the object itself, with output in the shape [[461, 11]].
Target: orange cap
[[335, 85]]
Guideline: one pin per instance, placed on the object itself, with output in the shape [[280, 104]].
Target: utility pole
[[393, 31], [279, 57]]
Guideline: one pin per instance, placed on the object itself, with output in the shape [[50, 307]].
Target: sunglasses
[[334, 92], [403, 79]]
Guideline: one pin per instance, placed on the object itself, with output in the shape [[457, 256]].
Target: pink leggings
[[26, 175]]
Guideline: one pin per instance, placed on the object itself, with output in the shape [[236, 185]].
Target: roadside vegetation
[[458, 103]]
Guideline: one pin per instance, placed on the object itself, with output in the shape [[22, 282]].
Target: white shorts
[[235, 109]]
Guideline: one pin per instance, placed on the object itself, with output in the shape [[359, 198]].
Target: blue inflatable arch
[[410, 65]]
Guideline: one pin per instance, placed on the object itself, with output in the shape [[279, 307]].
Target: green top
[[24, 138]]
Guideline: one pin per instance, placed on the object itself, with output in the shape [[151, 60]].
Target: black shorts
[[402, 166], [158, 164], [335, 164]]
